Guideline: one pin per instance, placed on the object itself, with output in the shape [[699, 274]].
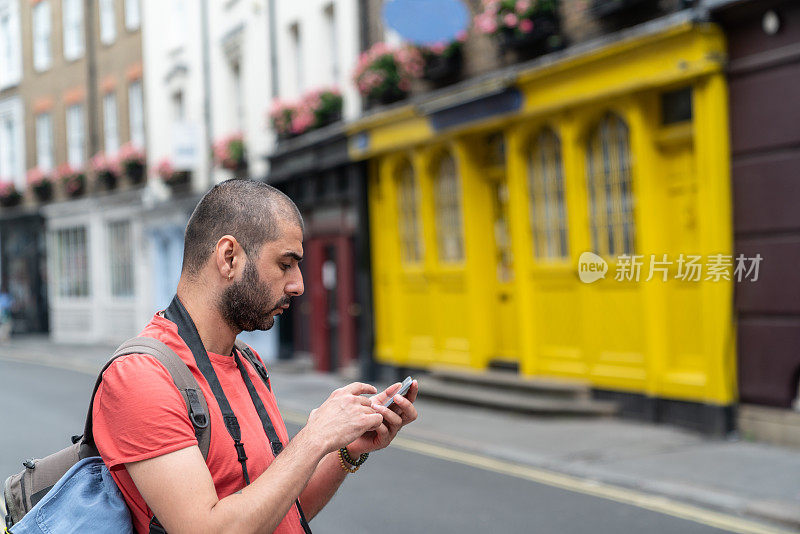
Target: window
[[136, 113], [611, 199], [111, 144], [44, 141], [76, 134], [42, 57], [12, 142], [236, 76], [133, 18], [546, 196], [70, 262], [333, 42], [297, 53], [408, 201], [178, 111], [676, 106], [10, 44], [447, 200], [120, 253], [73, 29], [108, 28]]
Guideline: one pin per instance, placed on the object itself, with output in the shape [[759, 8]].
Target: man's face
[[266, 285]]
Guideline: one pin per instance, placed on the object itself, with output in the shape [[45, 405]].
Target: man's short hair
[[249, 210]]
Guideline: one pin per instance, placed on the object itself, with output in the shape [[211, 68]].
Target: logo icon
[[591, 267]]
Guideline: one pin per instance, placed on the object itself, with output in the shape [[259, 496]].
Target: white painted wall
[[318, 50], [172, 58]]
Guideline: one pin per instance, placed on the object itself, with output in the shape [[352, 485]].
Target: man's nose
[[295, 287]]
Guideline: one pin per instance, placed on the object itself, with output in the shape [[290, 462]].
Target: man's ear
[[228, 257]]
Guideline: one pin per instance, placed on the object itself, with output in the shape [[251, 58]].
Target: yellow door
[[504, 306]]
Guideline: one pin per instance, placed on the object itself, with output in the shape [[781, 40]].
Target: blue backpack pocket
[[85, 499]]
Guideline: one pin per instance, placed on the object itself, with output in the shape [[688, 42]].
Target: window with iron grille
[[447, 200], [70, 262], [120, 254], [548, 210], [611, 200], [408, 203]]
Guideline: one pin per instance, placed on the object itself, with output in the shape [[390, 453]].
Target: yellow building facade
[[482, 203]]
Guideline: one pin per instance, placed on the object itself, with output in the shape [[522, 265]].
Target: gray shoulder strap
[[182, 377]]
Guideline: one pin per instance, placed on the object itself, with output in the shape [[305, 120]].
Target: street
[[397, 491]]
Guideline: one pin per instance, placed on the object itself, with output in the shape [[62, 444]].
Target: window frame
[[108, 23], [448, 212], [133, 15], [44, 141], [548, 222], [409, 225], [616, 221], [42, 34], [121, 265], [136, 129], [73, 29], [110, 127], [76, 134]]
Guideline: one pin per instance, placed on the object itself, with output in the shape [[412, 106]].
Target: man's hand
[[344, 416], [395, 417]]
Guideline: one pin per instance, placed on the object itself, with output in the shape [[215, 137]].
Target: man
[[242, 248]]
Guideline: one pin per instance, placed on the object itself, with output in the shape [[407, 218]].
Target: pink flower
[[526, 26], [438, 48], [510, 20], [35, 176], [461, 36], [522, 6]]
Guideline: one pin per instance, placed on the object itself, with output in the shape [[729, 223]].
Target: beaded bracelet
[[346, 455]]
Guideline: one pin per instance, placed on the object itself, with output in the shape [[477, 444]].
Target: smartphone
[[402, 391]]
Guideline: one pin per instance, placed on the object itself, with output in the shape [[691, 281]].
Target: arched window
[[548, 210], [408, 200], [447, 200], [611, 200]]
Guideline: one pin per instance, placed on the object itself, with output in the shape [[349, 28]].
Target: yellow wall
[[668, 339]]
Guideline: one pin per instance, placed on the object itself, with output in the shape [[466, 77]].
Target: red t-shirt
[[139, 414]]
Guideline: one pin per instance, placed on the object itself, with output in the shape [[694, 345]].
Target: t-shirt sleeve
[[138, 413]]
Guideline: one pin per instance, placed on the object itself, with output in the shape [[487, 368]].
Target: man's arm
[[178, 486], [329, 475]]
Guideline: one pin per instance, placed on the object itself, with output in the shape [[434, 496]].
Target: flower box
[[41, 184], [609, 8], [384, 74], [133, 163], [316, 108], [106, 170], [443, 61], [72, 180], [9, 195], [230, 153], [173, 178], [525, 26]]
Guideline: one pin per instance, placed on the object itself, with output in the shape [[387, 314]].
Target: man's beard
[[248, 304]]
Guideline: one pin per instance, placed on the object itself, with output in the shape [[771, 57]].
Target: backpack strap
[[187, 385]]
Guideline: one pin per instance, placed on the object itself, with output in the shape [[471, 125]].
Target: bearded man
[[242, 249]]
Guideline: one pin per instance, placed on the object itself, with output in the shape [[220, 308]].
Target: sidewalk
[[749, 479]]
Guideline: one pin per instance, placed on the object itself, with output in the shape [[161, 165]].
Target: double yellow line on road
[[639, 499], [631, 497]]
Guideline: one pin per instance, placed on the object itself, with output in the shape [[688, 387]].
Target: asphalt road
[[396, 492]]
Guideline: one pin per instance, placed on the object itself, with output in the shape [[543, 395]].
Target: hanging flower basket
[[525, 26], [443, 61], [73, 180], [230, 153], [133, 162], [9, 195], [384, 75], [41, 184]]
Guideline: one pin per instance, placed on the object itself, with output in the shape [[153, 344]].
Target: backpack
[[73, 465]]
